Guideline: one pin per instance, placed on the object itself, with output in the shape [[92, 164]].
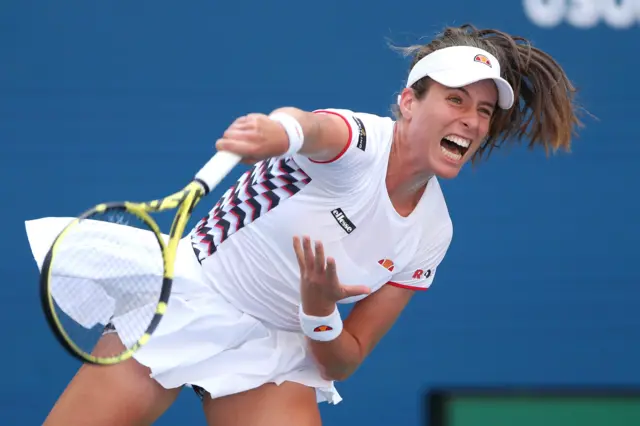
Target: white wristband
[[322, 329], [293, 129]]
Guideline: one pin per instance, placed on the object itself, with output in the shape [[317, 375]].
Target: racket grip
[[216, 169]]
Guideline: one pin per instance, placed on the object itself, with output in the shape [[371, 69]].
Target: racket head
[[98, 279]]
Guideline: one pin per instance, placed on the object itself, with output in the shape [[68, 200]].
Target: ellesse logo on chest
[[343, 220]]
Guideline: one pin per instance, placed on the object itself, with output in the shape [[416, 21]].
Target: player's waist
[[257, 288], [278, 313]]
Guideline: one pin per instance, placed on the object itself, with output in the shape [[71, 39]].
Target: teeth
[[452, 155], [458, 140]]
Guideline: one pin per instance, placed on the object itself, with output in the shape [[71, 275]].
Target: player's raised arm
[[321, 137]]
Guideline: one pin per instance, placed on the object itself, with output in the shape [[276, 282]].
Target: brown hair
[[544, 111]]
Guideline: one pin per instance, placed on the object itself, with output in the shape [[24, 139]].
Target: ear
[[406, 101]]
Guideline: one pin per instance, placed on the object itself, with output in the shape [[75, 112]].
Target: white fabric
[[203, 340], [232, 323], [459, 66]]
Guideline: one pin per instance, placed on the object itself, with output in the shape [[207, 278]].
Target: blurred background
[[124, 100]]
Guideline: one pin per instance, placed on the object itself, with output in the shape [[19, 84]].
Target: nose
[[471, 121]]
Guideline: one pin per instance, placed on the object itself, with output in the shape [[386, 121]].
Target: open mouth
[[454, 147]]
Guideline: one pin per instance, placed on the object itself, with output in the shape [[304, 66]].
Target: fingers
[[330, 271], [255, 137], [308, 253], [248, 126], [297, 247], [319, 273], [240, 147], [319, 263], [246, 122], [241, 137], [240, 132], [310, 259], [242, 122]]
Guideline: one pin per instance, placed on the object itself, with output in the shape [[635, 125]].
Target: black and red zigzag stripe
[[258, 191]]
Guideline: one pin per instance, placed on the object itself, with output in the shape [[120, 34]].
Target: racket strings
[[106, 269]]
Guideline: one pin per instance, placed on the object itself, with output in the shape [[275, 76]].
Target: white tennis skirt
[[202, 340]]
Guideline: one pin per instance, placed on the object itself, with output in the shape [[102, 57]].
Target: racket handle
[[216, 169]]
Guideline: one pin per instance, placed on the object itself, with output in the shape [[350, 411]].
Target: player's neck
[[405, 184]]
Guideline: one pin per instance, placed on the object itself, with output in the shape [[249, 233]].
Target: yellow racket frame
[[184, 201]]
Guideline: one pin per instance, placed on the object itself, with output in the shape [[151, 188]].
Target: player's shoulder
[[349, 113], [363, 123]]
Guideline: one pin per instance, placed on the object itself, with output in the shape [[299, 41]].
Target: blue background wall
[[99, 101]]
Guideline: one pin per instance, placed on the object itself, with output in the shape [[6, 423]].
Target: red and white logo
[[387, 263], [483, 60]]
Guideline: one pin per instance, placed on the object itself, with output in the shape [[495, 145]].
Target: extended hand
[[254, 137], [320, 287]]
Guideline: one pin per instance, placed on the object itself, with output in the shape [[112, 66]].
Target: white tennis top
[[245, 243]]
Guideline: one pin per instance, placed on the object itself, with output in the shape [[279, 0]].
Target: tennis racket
[[112, 267]]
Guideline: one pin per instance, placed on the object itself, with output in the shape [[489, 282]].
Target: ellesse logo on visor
[[483, 60]]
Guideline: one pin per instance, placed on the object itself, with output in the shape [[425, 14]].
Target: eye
[[455, 99], [486, 112]]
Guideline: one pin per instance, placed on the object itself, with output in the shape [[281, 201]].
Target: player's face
[[448, 125]]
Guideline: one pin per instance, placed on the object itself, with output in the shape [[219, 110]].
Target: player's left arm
[[371, 318]]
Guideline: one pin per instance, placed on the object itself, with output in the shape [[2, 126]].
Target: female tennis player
[[339, 207]]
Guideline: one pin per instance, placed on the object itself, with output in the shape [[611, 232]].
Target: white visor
[[459, 66]]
